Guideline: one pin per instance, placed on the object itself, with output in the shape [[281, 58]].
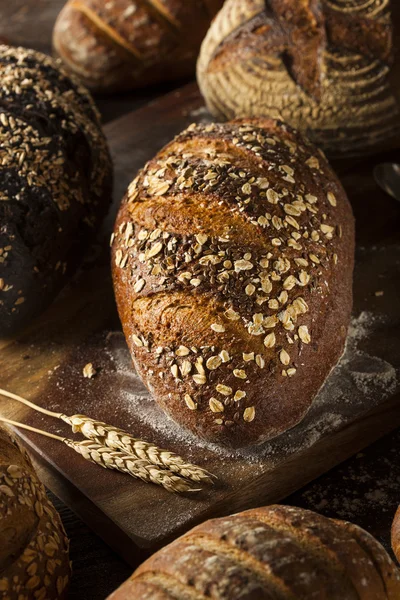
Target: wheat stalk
[[117, 439], [117, 460], [128, 463]]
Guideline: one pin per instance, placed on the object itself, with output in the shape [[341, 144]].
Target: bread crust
[[55, 181], [128, 44], [34, 559], [232, 263], [321, 66], [271, 553]]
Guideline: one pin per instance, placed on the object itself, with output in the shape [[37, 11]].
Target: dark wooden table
[[365, 489]]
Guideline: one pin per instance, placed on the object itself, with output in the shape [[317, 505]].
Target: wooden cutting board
[[359, 403]]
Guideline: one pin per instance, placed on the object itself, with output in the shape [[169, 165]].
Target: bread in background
[[127, 44], [34, 560], [324, 66], [55, 181], [268, 553]]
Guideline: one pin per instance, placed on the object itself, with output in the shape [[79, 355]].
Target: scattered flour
[[200, 115], [359, 380]]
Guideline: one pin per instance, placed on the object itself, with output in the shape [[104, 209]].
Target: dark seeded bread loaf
[[127, 44], [272, 553], [55, 181], [324, 66], [232, 263], [396, 535], [34, 562]]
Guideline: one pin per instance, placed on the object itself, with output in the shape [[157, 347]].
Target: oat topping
[[190, 402], [216, 406], [89, 371], [249, 414], [304, 334], [270, 340]]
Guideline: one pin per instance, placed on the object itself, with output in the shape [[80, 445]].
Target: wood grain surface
[[29, 22], [359, 403]]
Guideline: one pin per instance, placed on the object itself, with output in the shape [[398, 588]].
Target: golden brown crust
[[232, 261], [321, 65], [34, 548], [271, 553], [127, 44], [396, 535]]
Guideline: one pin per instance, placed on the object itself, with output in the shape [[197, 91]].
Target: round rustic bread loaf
[[396, 535], [34, 560], [271, 553], [324, 66], [128, 44], [55, 181], [232, 264]]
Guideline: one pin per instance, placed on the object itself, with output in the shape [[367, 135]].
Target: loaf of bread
[[55, 181], [324, 66], [271, 553], [127, 44], [34, 561], [396, 535], [232, 264]]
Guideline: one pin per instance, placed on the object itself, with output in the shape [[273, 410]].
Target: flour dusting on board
[[200, 115], [357, 380]]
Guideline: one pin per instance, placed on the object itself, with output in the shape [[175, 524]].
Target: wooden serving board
[[359, 403]]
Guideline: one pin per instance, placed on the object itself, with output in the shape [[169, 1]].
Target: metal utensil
[[387, 176]]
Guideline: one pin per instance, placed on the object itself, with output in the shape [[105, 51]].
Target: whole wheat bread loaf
[[232, 262], [272, 553]]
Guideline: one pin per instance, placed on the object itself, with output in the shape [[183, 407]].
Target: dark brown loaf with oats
[[34, 559], [55, 180], [127, 44], [272, 553], [325, 66], [396, 535], [232, 263]]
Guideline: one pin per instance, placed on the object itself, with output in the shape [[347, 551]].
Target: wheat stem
[[34, 429], [30, 404]]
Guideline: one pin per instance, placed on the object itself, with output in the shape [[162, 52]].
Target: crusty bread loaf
[[232, 264], [34, 561], [55, 181], [396, 535], [323, 66], [127, 44], [272, 553]]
